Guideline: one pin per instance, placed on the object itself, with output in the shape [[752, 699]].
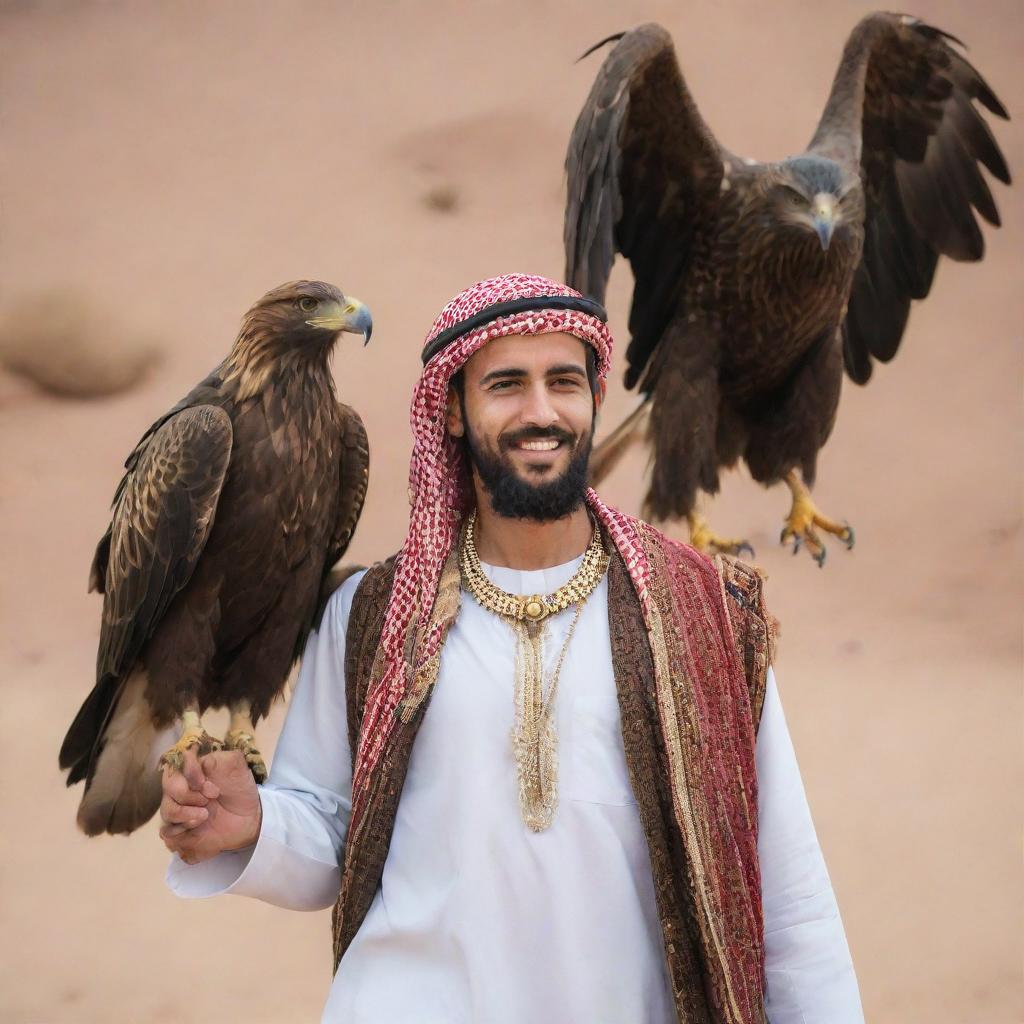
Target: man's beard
[[515, 498]]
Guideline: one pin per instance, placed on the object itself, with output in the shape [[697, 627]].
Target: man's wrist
[[252, 836]]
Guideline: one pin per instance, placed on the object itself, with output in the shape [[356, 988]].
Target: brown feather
[[741, 318], [229, 516], [901, 113], [607, 455]]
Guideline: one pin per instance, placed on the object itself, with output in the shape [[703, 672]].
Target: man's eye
[[502, 385]]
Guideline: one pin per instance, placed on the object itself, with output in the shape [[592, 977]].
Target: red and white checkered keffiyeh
[[440, 494]]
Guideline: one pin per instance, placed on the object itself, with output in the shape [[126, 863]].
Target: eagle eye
[[307, 304], [793, 197]]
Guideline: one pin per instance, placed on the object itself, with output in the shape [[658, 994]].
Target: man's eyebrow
[[565, 368], [505, 372]]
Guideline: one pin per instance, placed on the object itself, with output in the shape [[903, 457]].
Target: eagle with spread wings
[[756, 283], [232, 511]]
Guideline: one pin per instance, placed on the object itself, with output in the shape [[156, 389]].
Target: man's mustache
[[508, 441]]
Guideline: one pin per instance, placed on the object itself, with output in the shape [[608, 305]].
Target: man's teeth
[[538, 446]]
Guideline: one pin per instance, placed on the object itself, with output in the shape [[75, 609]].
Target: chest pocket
[[597, 769]]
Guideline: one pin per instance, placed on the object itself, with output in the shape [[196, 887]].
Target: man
[[633, 855]]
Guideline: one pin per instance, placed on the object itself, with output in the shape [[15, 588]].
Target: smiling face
[[527, 413]]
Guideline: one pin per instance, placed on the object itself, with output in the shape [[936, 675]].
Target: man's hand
[[212, 805]]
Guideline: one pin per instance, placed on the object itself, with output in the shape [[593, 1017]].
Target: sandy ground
[[176, 160]]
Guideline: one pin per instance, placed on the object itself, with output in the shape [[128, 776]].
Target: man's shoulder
[[741, 583], [675, 552], [355, 584], [742, 577]]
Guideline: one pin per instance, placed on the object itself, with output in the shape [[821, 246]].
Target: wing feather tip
[[614, 37]]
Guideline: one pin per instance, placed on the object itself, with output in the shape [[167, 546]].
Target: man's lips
[[537, 443], [539, 451]]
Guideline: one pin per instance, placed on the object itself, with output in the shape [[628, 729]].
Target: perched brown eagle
[[234, 507], [754, 283]]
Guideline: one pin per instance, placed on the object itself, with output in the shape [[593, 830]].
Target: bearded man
[[641, 850]]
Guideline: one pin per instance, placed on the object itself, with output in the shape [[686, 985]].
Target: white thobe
[[479, 920]]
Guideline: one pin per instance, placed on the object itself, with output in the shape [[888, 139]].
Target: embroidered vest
[[688, 871]]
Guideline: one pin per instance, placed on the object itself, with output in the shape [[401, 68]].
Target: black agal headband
[[533, 303]]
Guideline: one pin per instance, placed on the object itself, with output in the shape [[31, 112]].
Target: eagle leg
[[193, 735], [704, 539], [241, 736], [804, 517]]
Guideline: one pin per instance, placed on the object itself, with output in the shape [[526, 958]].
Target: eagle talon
[[244, 742], [804, 521], [703, 538], [193, 737]]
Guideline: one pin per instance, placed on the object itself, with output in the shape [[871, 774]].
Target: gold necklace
[[535, 607], [534, 741]]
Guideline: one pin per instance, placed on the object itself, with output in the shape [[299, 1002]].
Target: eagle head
[[306, 315], [815, 195]]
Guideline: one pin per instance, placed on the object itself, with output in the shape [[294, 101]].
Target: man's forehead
[[528, 352]]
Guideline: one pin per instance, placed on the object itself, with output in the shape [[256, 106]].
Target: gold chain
[[534, 742], [534, 607]]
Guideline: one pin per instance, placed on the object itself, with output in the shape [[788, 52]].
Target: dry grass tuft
[[64, 344]]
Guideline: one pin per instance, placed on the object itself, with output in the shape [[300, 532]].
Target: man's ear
[[453, 414]]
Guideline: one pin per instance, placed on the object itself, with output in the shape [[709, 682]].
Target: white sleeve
[[308, 796], [808, 970]]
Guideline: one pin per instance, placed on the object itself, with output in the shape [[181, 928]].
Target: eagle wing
[[643, 171], [916, 138], [354, 478], [163, 511]]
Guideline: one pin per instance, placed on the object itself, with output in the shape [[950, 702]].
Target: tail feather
[[77, 752], [609, 452], [123, 790]]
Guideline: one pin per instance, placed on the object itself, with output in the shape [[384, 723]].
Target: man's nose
[[538, 410]]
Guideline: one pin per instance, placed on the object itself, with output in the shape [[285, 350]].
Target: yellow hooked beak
[[823, 213], [352, 317]]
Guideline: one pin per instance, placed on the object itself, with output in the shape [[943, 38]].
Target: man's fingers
[[177, 788], [187, 847], [210, 765], [193, 771], [172, 831], [174, 813], [174, 782]]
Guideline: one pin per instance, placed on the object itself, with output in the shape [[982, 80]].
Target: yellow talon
[[193, 736], [804, 517], [241, 737], [704, 539]]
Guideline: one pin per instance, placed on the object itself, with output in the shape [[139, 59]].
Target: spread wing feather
[[643, 170], [163, 511], [918, 138]]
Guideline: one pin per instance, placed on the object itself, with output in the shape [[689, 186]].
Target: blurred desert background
[[172, 161]]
